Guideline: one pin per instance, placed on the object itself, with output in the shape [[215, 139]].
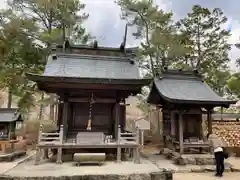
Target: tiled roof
[[89, 66], [187, 87], [8, 115], [229, 131]]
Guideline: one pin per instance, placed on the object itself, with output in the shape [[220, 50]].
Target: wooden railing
[[49, 137], [128, 136]]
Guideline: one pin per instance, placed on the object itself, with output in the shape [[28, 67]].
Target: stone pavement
[[153, 163], [6, 166], [205, 176], [28, 169], [162, 163]]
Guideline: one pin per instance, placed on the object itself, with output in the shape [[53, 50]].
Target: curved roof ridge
[[95, 57]]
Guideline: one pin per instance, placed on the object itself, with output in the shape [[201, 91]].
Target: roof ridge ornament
[[95, 44], [66, 45], [123, 44]]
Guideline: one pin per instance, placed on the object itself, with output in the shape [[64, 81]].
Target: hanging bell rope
[[89, 126]]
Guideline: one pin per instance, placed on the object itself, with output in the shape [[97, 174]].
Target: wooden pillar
[[10, 130], [123, 115], [137, 150], [142, 137], [56, 112], [209, 120], [201, 133], [117, 117], [59, 150], [160, 125], [180, 120], [173, 130], [60, 114], [65, 119], [119, 153], [59, 155]]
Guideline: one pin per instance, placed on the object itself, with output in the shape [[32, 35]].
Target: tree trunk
[[9, 105], [63, 32], [198, 48]]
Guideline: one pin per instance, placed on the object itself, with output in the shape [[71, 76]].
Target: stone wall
[[153, 176], [193, 159]]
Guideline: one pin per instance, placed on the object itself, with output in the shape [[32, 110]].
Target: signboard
[[142, 124]]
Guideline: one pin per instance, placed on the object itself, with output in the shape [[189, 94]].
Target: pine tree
[[207, 39], [160, 45]]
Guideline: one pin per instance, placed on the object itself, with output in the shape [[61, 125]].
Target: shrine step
[[89, 158]]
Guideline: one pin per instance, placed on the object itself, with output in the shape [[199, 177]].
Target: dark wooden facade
[[80, 75], [183, 97]]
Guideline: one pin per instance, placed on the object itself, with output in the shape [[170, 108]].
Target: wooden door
[[80, 116], [101, 116]]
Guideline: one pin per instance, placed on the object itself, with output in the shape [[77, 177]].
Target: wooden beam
[[180, 119], [91, 86], [97, 100], [88, 92]]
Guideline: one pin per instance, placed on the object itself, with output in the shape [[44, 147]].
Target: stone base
[[193, 159], [153, 176]]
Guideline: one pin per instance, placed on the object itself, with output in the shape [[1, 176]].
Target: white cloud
[[234, 53], [3, 4], [104, 21]]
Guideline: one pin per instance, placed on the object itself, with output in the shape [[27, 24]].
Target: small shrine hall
[[183, 97]]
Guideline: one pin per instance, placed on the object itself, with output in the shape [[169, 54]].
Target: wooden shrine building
[[92, 84], [183, 97], [10, 118]]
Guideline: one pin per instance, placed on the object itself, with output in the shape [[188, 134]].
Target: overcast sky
[[105, 24]]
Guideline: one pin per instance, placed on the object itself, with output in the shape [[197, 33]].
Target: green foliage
[[205, 35], [28, 28], [197, 41], [207, 39], [56, 18], [218, 81], [20, 54], [162, 45], [234, 84]]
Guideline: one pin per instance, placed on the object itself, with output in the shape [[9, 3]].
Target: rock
[[191, 160], [176, 154], [179, 161], [197, 170], [204, 161], [162, 176]]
